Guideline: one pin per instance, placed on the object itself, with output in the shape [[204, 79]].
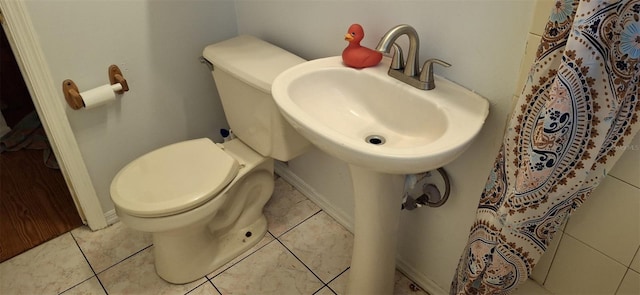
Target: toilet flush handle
[[206, 62]]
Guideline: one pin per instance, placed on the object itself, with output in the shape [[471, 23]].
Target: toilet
[[203, 201]]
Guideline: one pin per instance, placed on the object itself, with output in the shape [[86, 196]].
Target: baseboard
[[347, 221], [111, 217], [419, 278]]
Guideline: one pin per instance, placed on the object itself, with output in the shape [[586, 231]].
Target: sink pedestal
[[378, 198]]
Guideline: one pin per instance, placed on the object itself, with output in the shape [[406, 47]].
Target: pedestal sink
[[384, 129]]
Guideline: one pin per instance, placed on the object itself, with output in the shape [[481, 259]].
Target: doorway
[[35, 202]]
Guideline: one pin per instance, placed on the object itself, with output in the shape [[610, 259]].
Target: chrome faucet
[[409, 72], [387, 41]]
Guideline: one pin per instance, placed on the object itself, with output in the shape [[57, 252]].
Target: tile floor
[[304, 252]]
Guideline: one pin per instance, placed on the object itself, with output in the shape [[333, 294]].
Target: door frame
[[50, 106]]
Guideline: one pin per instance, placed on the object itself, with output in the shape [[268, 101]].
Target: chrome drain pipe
[[431, 195]]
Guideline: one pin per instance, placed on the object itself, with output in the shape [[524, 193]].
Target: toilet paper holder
[[72, 94]]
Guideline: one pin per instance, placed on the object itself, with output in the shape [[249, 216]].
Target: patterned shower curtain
[[576, 114]]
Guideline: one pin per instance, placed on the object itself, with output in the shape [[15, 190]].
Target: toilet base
[[186, 256]]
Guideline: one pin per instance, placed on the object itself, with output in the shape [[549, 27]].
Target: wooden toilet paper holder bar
[[72, 94]]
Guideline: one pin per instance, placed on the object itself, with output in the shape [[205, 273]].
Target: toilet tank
[[243, 69]]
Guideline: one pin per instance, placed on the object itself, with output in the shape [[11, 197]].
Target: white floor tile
[[630, 284], [321, 244], [324, 291], [50, 268], [635, 264], [204, 289], [270, 270], [89, 287], [137, 275], [111, 245], [286, 208], [339, 284]]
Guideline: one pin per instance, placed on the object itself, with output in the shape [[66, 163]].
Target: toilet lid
[[173, 179]]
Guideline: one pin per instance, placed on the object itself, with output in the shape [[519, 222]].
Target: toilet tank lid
[[173, 179], [251, 60]]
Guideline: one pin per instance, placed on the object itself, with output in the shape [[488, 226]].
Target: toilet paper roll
[[100, 95]]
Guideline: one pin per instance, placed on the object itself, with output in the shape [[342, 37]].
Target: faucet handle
[[397, 60], [426, 75]]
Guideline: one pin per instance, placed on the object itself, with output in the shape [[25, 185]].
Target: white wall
[[156, 44], [483, 39]]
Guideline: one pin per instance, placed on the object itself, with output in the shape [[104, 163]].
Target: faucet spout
[[411, 67]]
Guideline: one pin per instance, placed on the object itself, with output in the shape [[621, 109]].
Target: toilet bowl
[[203, 201]]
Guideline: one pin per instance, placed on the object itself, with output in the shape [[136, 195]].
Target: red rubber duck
[[356, 56]]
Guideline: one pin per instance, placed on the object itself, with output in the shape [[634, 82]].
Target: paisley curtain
[[576, 114]]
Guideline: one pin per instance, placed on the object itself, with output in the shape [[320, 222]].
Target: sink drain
[[375, 139]]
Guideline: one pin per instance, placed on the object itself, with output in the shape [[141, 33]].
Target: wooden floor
[[35, 203]]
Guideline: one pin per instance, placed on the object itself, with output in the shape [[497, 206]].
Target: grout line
[[102, 285], [230, 266], [296, 225], [546, 275], [597, 250], [120, 261], [634, 258], [305, 265], [290, 251], [331, 280], [332, 291], [90, 267], [622, 180], [124, 259], [82, 252], [559, 235], [214, 285], [323, 286], [621, 280], [206, 280], [78, 284]]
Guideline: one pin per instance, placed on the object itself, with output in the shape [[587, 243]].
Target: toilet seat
[[173, 179]]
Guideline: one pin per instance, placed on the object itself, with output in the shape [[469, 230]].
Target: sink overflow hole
[[375, 139]]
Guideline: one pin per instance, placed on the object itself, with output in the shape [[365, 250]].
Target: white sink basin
[[373, 121]]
